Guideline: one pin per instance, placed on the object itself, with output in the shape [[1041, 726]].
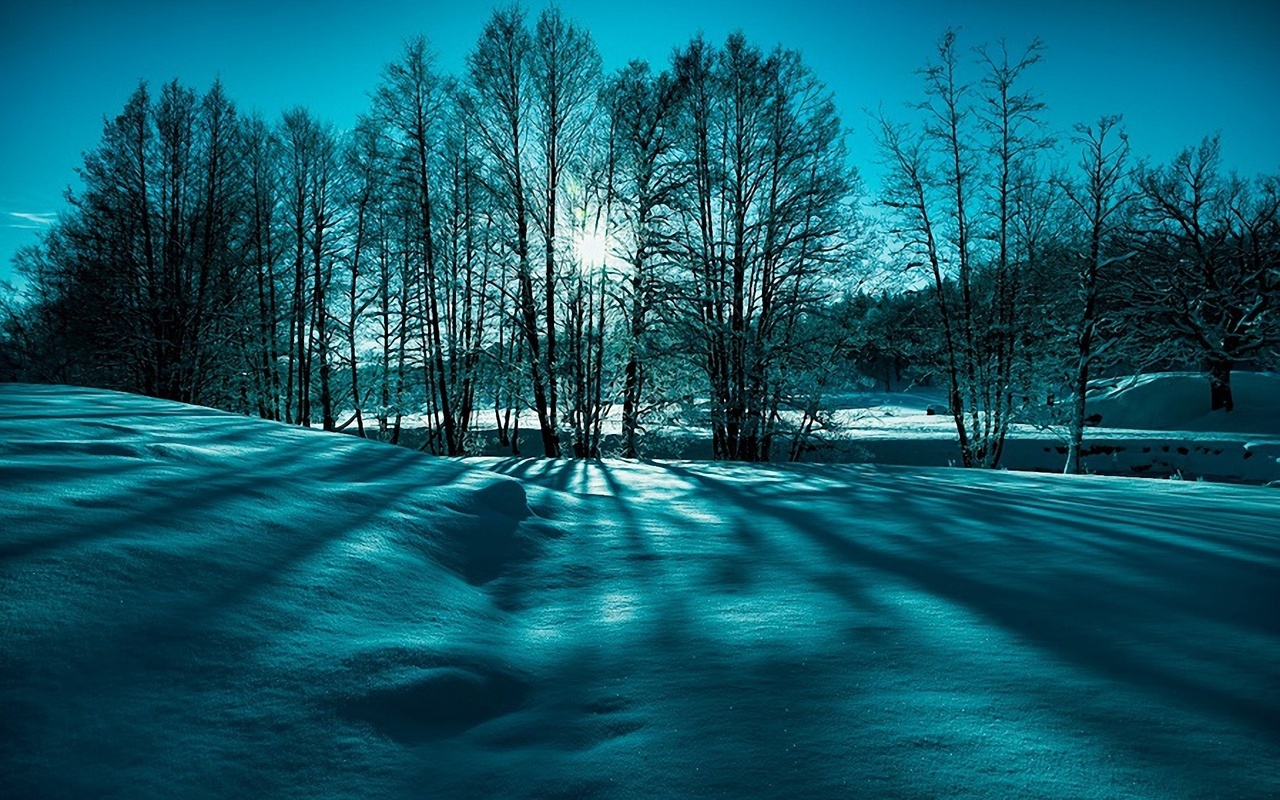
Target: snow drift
[[191, 599], [198, 605]]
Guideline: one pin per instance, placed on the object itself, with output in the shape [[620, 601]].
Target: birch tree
[[646, 184], [498, 105], [954, 185]]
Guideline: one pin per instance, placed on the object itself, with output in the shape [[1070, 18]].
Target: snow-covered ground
[[1156, 425], [194, 604], [1179, 401], [1153, 425]]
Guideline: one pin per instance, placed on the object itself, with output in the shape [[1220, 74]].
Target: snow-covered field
[[1157, 426], [194, 604]]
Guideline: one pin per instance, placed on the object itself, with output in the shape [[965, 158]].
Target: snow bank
[[190, 599]]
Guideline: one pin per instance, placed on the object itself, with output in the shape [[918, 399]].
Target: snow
[[1153, 425], [1179, 401], [194, 604]]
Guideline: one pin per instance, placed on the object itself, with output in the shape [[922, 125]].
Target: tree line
[[1044, 274], [537, 243]]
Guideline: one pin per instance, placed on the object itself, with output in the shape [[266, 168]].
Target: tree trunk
[[1219, 369]]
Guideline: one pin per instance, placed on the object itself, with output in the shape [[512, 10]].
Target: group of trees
[[535, 237], [531, 236], [1042, 274]]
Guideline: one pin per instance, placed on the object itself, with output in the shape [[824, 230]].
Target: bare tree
[[148, 265], [966, 165], [1209, 251], [413, 105], [366, 197], [768, 222], [311, 177], [465, 259], [262, 161], [1100, 200], [646, 183], [587, 287], [564, 72], [498, 71]]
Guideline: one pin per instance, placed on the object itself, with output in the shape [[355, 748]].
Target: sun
[[592, 247]]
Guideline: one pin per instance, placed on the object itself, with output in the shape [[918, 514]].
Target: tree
[[1010, 118], [645, 181], [464, 260], [586, 288], [963, 168], [310, 151], [498, 71], [1209, 278], [366, 197], [412, 105], [144, 278], [767, 224], [564, 73], [262, 162], [1100, 200], [107, 264]]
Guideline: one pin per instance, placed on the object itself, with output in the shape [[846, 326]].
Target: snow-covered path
[[195, 604]]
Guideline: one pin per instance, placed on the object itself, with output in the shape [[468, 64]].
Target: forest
[[602, 257]]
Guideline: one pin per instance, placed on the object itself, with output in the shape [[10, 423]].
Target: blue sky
[[1178, 71]]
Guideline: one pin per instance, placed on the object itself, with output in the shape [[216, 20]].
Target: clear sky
[[1177, 70]]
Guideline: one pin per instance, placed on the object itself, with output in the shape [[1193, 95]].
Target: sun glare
[[592, 248]]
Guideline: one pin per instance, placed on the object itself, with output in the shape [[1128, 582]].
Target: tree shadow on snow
[[1128, 619]]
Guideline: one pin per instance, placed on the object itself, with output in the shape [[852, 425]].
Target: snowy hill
[[194, 604], [1179, 401]]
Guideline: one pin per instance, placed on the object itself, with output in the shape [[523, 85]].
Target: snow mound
[[1179, 401], [197, 594], [123, 456]]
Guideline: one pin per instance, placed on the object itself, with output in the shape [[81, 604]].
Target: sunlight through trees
[[537, 246]]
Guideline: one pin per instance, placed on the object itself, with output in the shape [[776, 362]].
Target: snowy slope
[[1179, 401], [198, 605]]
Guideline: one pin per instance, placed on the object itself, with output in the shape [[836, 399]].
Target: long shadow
[[623, 507], [1076, 617], [1226, 586], [179, 494], [295, 490], [169, 488]]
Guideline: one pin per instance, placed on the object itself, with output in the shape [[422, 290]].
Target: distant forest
[[536, 244]]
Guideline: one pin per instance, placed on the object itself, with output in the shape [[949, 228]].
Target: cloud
[[34, 220]]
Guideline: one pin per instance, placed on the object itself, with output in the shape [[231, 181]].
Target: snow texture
[[194, 604]]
